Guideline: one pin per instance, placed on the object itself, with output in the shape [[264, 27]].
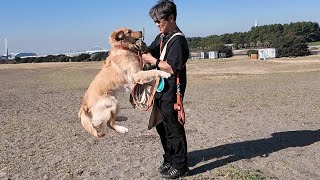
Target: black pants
[[172, 135]]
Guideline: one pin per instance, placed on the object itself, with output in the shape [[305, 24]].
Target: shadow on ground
[[121, 118], [250, 149]]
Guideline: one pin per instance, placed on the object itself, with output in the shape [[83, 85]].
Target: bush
[[3, 61], [17, 60], [39, 60], [48, 58], [24, 60], [11, 62], [82, 57], [71, 59], [225, 49], [252, 51], [62, 58], [99, 56], [31, 59], [222, 49]]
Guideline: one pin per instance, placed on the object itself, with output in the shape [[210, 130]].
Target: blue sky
[[58, 26]]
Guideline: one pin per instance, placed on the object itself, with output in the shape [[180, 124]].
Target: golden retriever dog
[[123, 66]]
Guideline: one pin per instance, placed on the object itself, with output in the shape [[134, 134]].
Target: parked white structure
[[204, 55], [267, 53], [213, 54]]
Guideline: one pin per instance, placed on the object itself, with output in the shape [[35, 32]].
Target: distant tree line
[[100, 56], [288, 39]]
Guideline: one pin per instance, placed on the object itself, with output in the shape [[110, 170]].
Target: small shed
[[195, 55], [204, 55], [213, 54]]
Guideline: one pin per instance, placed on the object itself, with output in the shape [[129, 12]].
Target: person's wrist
[[157, 63]]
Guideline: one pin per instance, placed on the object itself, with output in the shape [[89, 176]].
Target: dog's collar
[[126, 48]]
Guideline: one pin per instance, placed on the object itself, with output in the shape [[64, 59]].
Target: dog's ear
[[120, 36]]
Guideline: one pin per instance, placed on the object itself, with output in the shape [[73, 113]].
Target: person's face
[[165, 26], [162, 25]]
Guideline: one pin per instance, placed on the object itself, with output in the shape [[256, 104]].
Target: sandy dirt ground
[[245, 119]]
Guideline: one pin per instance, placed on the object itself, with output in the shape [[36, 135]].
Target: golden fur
[[122, 67]]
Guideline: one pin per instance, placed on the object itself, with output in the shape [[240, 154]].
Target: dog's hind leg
[[105, 111], [112, 121], [101, 113], [86, 123], [120, 129]]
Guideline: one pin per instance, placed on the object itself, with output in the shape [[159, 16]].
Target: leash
[[143, 97], [178, 106], [141, 90]]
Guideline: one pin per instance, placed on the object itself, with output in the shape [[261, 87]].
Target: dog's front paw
[[164, 74]]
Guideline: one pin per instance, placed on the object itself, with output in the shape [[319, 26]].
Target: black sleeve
[[177, 53]]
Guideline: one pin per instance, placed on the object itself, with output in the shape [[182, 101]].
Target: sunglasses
[[158, 21]]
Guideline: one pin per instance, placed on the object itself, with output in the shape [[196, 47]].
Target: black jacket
[[177, 54]]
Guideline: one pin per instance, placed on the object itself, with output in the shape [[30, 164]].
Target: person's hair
[[163, 9]]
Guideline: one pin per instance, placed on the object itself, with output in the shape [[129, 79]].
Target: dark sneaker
[[164, 167], [173, 173]]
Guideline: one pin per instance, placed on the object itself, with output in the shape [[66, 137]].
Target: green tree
[[268, 34], [17, 60], [99, 56], [82, 57], [62, 58], [222, 49], [39, 60], [291, 46]]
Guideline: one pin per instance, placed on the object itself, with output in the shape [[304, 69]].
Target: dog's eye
[[129, 31]]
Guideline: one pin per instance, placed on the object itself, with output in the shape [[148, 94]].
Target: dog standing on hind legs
[[123, 66]]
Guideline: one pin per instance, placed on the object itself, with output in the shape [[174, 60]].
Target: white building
[[204, 55], [213, 54], [267, 53]]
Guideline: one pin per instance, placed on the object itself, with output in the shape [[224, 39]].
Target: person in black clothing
[[171, 132]]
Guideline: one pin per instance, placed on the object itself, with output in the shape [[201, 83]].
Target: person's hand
[[148, 58]]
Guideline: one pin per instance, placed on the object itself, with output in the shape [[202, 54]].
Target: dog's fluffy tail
[[84, 109]]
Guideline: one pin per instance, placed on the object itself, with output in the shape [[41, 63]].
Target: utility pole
[[6, 48]]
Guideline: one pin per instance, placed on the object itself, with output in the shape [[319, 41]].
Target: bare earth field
[[245, 119]]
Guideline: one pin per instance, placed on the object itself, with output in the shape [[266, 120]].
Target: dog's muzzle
[[141, 46]]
